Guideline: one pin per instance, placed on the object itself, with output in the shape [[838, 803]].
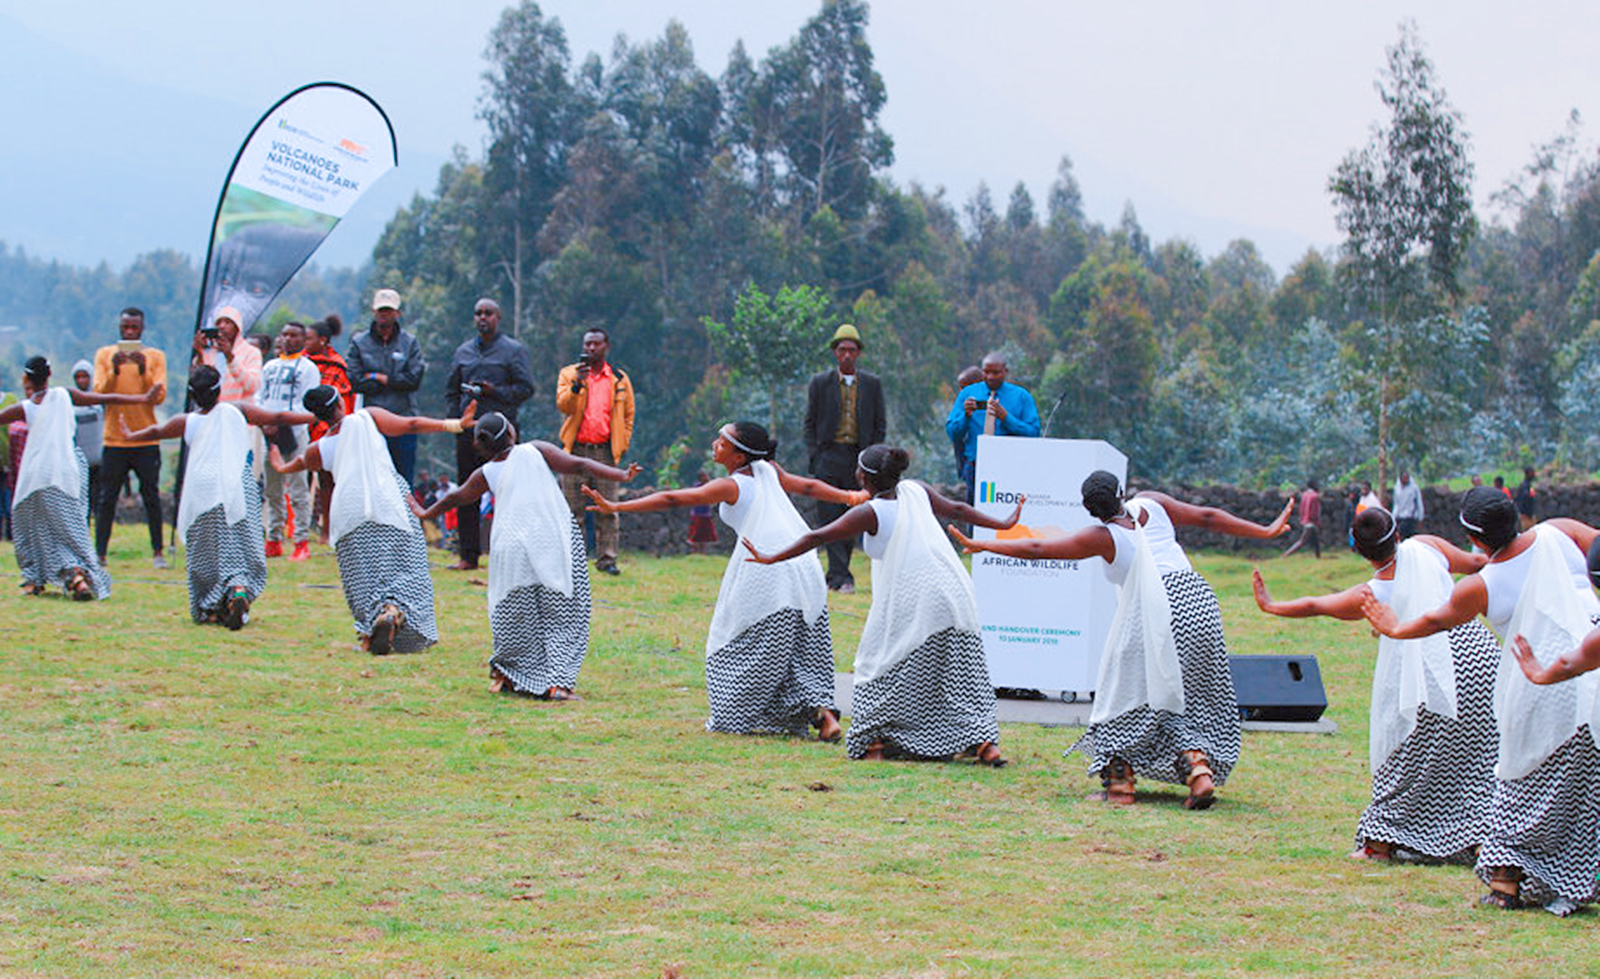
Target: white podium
[[1044, 622]]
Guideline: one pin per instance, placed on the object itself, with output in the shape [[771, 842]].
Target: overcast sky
[[1216, 120]]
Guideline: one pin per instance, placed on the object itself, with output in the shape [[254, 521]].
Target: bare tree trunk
[[516, 281], [1383, 438]]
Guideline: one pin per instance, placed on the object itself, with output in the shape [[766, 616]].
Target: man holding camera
[[239, 364], [491, 369], [597, 402], [130, 367], [992, 406], [385, 366]]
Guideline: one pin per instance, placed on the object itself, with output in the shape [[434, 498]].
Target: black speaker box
[[1278, 688]]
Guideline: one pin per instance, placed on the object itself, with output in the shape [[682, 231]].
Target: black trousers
[[836, 466], [467, 460], [116, 462]]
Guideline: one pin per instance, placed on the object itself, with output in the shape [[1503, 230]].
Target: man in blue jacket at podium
[[993, 406]]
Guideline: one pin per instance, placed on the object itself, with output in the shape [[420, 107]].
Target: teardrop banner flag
[[301, 169]]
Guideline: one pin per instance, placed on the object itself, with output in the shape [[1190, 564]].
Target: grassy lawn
[[179, 800]]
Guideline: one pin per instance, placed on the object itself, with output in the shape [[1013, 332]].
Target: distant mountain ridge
[[102, 168]]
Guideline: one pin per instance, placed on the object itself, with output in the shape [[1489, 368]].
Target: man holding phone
[[130, 367], [597, 402], [491, 369], [239, 364], [992, 406]]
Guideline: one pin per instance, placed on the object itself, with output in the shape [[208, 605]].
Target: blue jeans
[[403, 453]]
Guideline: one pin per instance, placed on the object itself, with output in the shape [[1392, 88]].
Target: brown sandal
[[383, 631], [985, 753], [79, 587], [1196, 772], [1117, 779]]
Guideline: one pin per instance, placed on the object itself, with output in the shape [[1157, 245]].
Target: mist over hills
[[103, 168]]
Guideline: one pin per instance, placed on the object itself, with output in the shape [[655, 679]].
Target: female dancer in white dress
[[383, 557], [219, 513], [538, 574], [49, 519], [922, 685], [1164, 704], [1432, 741], [769, 654], [1543, 841]]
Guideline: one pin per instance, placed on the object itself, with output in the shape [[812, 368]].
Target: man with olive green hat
[[844, 414]]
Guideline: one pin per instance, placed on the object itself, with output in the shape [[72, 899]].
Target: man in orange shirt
[[130, 367], [597, 401]]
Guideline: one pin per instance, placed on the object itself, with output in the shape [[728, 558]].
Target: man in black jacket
[[491, 369], [844, 414], [385, 366]]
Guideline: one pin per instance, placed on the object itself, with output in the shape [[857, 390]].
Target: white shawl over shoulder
[[532, 539], [364, 487], [919, 588]]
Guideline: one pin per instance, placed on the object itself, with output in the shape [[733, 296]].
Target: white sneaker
[[159, 562]]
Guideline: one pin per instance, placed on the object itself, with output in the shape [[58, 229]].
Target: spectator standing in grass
[[130, 368]]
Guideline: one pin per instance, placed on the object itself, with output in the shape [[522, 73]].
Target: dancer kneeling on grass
[[1432, 740], [769, 655], [1542, 846], [219, 513], [383, 557], [49, 518], [921, 682], [1164, 705], [538, 568]]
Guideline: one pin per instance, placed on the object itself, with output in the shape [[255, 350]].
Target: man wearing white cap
[[239, 364], [385, 366]]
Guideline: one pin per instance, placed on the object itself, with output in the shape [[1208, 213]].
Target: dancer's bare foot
[[874, 752]]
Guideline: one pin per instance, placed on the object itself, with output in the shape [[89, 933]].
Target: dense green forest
[[720, 227]]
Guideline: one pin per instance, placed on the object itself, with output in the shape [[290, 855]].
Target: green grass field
[[181, 800]]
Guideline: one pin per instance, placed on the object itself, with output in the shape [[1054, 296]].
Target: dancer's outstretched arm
[[1221, 521], [1469, 598], [1093, 541], [1576, 663], [858, 520], [1461, 562], [468, 492], [261, 416], [567, 464], [169, 429], [947, 509], [390, 423], [1345, 605], [151, 397], [308, 461], [720, 490], [818, 490]]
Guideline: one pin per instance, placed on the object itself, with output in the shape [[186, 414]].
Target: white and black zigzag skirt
[[541, 635], [1151, 740], [772, 677]]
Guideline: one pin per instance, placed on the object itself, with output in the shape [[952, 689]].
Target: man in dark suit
[[844, 414]]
